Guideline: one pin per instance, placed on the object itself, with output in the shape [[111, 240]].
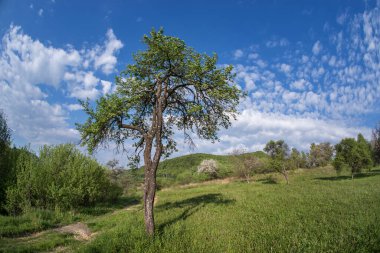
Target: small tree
[[320, 154], [209, 167], [296, 158], [375, 144], [365, 152], [169, 86], [350, 153], [112, 164], [279, 153], [245, 164], [5, 141]]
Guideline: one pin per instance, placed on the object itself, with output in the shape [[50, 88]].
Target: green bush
[[60, 178]]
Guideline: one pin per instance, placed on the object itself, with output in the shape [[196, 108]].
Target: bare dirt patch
[[80, 231]]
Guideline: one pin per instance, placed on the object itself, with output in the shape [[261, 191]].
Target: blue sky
[[311, 68]]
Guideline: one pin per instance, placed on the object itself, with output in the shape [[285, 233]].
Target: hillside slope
[[183, 169]]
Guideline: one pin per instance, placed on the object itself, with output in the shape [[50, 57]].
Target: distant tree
[[245, 164], [351, 154], [112, 164], [5, 169], [320, 154], [170, 86], [295, 158], [375, 144], [209, 167], [304, 160], [279, 153], [365, 151]]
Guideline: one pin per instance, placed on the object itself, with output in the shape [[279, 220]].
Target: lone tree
[[170, 86]]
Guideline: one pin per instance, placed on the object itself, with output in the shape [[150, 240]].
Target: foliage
[[320, 154], [209, 167], [277, 149], [246, 164], [354, 154], [61, 177], [196, 96], [375, 144], [5, 139], [279, 153]]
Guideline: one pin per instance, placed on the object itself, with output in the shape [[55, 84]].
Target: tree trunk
[[149, 194], [285, 173]]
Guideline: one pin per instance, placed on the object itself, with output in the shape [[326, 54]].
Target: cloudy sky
[[311, 68]]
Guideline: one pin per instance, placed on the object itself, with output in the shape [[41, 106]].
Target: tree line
[[354, 155]]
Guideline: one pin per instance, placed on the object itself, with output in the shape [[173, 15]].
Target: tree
[[169, 86], [351, 153], [320, 154], [5, 170], [365, 152], [245, 164], [112, 164], [296, 158], [279, 152], [375, 144], [209, 167]]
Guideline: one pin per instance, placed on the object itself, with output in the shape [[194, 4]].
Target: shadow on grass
[[339, 178], [192, 205], [106, 207], [267, 181]]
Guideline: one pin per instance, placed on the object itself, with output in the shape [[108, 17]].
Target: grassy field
[[317, 212]]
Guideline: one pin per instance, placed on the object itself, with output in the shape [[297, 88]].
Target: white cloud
[[286, 68], [253, 129], [238, 54], [341, 19], [253, 56], [31, 72], [317, 47], [106, 86], [74, 107], [104, 57], [277, 43], [299, 84], [40, 12]]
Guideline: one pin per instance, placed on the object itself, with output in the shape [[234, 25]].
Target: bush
[[209, 167], [61, 178]]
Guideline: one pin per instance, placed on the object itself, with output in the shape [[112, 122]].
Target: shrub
[[61, 178], [208, 167]]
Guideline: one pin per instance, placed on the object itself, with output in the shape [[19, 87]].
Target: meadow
[[317, 212]]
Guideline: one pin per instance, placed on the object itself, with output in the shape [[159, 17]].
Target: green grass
[[317, 212]]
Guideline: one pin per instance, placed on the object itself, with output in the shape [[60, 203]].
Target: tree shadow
[[339, 178], [267, 181], [192, 205], [110, 206]]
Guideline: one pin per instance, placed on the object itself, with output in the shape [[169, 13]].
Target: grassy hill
[[316, 212], [183, 169]]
